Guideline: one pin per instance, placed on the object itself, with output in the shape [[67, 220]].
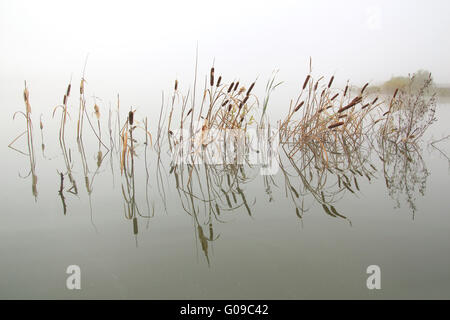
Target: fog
[[137, 47]]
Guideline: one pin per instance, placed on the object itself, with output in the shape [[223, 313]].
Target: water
[[258, 248]]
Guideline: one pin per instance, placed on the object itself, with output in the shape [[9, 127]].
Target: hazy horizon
[[138, 48]]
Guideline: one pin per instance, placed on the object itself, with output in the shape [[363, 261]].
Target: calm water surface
[[247, 243]]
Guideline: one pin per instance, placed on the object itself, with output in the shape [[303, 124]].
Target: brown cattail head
[[26, 97], [97, 111], [316, 85], [351, 104], [299, 106], [68, 89], [364, 88], [375, 100], [335, 96], [130, 117], [243, 102], [306, 81], [230, 87], [219, 81], [345, 91], [331, 82], [335, 125], [250, 89], [236, 86], [211, 77], [395, 93], [65, 100], [176, 85]]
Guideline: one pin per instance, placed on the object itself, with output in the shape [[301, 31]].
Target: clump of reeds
[[29, 133]]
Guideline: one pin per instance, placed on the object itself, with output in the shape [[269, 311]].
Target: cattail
[[395, 93], [250, 89], [306, 81], [316, 85], [65, 100], [364, 88], [351, 104], [342, 116], [236, 86], [387, 112], [218, 81], [334, 97], [211, 77], [176, 85], [335, 125], [323, 92], [25, 94], [130, 117], [365, 106], [68, 89], [225, 102], [230, 87], [243, 102], [345, 91], [331, 82], [375, 100], [299, 106], [189, 112], [26, 97], [229, 107]]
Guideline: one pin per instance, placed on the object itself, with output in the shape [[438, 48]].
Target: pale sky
[[148, 44]]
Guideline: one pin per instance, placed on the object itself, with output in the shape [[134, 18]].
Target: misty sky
[[149, 43]]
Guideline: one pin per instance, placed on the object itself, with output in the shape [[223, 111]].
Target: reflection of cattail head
[[211, 77]]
